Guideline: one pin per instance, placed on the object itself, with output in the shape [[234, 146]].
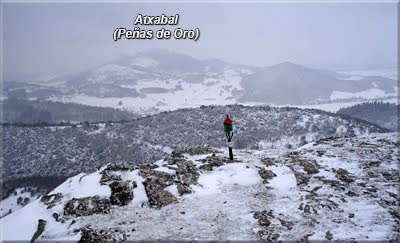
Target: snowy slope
[[10, 204], [341, 188], [160, 94]]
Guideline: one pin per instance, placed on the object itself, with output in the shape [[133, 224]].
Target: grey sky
[[48, 38]]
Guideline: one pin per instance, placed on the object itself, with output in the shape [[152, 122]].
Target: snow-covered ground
[[11, 202], [337, 188], [373, 93], [211, 91], [359, 74]]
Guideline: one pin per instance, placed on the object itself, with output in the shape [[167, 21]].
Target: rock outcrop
[[88, 235], [266, 175], [40, 228], [87, 206], [121, 193], [344, 175], [51, 200]]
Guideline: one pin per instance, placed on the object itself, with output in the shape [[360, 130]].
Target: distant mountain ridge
[[154, 81], [289, 83]]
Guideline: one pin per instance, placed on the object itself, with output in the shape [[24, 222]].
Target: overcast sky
[[48, 38]]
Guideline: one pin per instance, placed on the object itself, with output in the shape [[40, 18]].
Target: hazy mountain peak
[[287, 66]]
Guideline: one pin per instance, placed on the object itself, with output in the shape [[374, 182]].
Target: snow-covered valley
[[156, 81]]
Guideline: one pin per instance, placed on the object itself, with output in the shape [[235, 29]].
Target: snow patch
[[237, 174], [144, 62], [366, 94]]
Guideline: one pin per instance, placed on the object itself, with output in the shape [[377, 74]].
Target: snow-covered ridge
[[342, 188]]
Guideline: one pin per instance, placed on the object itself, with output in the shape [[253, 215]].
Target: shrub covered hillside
[[30, 151]]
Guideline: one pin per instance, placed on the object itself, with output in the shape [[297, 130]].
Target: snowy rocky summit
[[338, 188]]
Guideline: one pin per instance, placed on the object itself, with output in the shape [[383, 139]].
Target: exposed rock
[[163, 178], [267, 161], [187, 173], [51, 200], [306, 208], [146, 166], [316, 188], [393, 195], [324, 141], [395, 213], [287, 224], [121, 193], [174, 157], [375, 163], [176, 154], [268, 235], [88, 235], [391, 176], [328, 235], [337, 145], [301, 178], [309, 167], [107, 177], [155, 182], [266, 175], [386, 203], [214, 161], [351, 194], [120, 166], [311, 196], [372, 189], [165, 198], [344, 175], [155, 192], [206, 167], [262, 217], [87, 206], [293, 154], [331, 204], [199, 150], [371, 174], [334, 183], [40, 228], [56, 216], [182, 189]]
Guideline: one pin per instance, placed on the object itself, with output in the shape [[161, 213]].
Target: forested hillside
[[378, 112], [30, 112]]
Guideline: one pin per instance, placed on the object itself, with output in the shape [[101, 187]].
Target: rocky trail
[[342, 188]]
